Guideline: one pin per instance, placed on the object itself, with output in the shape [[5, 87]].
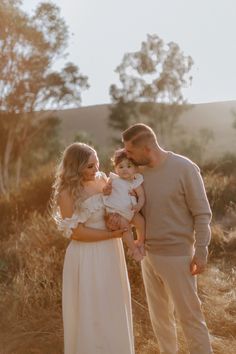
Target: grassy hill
[[32, 249], [216, 116]]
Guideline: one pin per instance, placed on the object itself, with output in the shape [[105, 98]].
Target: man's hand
[[197, 266], [132, 193], [136, 208]]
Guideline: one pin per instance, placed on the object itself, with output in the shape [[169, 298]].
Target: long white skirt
[[96, 299]]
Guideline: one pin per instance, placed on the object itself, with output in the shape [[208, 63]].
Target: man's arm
[[199, 207]]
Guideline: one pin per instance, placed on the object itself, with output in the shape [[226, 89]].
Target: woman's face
[[91, 168]]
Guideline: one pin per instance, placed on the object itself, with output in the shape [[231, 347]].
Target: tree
[[29, 47], [151, 86]]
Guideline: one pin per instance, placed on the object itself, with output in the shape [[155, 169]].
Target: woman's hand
[[118, 233]]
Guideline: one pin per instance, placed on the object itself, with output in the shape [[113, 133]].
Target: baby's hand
[[108, 188]]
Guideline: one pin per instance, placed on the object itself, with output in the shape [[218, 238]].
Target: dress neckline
[[99, 175], [91, 196]]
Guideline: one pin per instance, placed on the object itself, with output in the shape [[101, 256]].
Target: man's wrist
[[201, 252]]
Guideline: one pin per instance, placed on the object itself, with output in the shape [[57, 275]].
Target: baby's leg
[[128, 235], [134, 250], [139, 223], [112, 221]]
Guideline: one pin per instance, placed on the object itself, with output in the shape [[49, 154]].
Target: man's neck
[[158, 157]]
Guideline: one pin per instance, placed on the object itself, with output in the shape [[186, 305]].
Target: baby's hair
[[119, 156]]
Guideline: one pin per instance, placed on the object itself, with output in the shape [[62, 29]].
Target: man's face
[[138, 154]]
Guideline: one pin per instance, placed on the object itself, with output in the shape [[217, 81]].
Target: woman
[[96, 298]]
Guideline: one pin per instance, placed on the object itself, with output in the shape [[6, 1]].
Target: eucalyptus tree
[[151, 83], [30, 46]]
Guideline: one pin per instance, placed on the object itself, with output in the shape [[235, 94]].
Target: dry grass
[[30, 293]]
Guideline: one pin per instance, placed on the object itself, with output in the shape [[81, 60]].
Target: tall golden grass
[[31, 260]]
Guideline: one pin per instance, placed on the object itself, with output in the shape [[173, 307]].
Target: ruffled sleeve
[[137, 180], [68, 224], [101, 175], [88, 207], [112, 175]]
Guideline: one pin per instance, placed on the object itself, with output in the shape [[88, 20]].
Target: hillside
[[216, 116]]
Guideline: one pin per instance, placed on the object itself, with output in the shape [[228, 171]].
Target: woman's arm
[[87, 234], [81, 232]]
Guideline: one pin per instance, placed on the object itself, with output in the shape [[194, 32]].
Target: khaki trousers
[[170, 287]]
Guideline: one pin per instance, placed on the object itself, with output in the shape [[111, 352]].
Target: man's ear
[[147, 149]]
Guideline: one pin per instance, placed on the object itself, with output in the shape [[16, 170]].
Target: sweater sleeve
[[199, 207]]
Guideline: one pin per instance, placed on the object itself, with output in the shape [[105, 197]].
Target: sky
[[102, 31]]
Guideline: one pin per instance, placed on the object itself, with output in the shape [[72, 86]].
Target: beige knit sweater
[[176, 210]]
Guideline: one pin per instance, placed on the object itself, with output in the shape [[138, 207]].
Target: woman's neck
[[92, 187]]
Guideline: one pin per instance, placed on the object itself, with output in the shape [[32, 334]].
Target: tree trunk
[[7, 155], [18, 170], [2, 187]]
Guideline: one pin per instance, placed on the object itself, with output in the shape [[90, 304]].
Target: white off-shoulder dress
[[96, 298]]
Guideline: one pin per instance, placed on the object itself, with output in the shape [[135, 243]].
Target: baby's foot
[[136, 254], [142, 249]]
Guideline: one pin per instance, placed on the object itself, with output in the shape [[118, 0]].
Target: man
[[177, 217]]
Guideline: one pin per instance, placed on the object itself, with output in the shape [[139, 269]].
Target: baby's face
[[126, 169]]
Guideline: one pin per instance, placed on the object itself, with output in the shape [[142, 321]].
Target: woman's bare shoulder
[[101, 178], [65, 203]]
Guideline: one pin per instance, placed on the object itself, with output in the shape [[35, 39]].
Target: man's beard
[[143, 162]]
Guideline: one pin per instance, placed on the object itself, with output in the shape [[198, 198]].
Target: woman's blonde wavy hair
[[69, 173]]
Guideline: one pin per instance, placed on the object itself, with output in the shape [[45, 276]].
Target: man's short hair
[[138, 134]]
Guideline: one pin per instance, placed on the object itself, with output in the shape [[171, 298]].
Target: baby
[[126, 182]]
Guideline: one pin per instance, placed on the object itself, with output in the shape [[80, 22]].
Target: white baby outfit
[[120, 201]]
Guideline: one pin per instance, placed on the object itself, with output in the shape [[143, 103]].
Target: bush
[[30, 290], [225, 165], [33, 195], [221, 192]]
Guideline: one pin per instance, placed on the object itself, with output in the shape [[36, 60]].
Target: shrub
[[33, 195], [221, 192], [225, 165]]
